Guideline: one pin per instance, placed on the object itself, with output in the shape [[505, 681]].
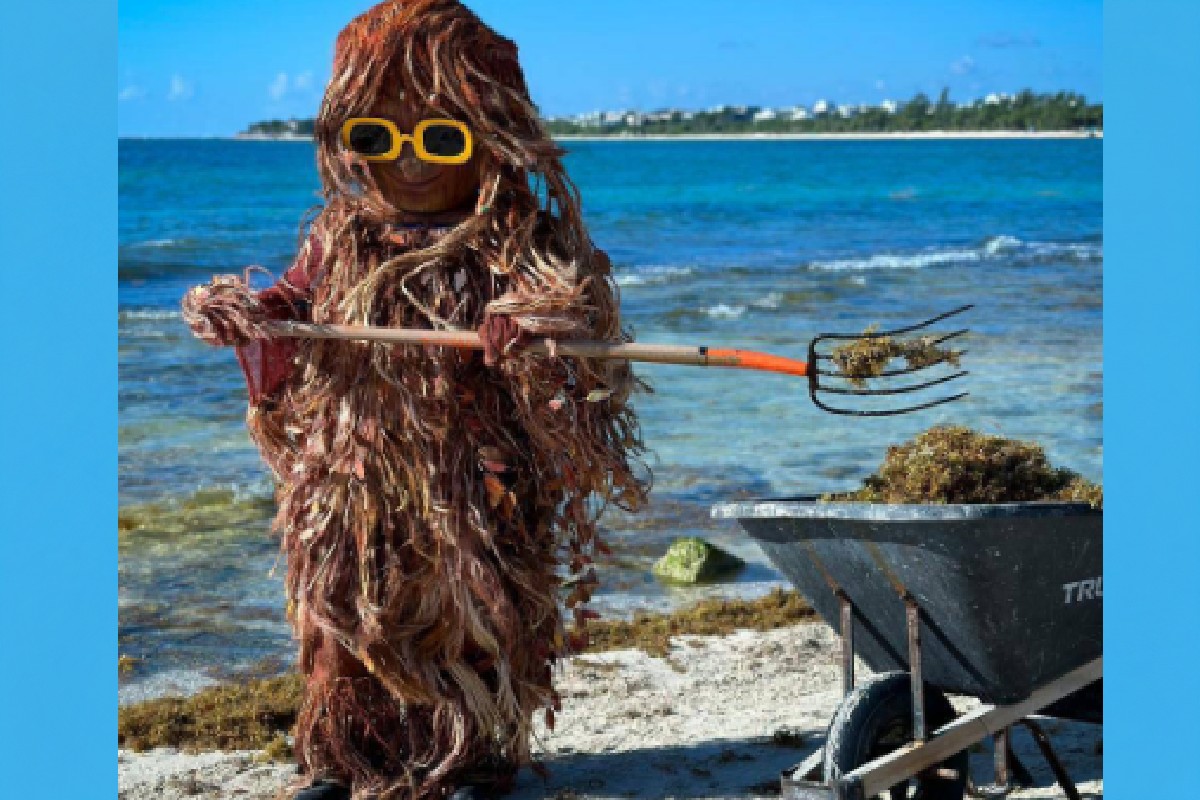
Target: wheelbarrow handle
[[469, 340]]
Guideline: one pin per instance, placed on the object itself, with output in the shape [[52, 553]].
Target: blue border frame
[[1152, 435], [58, 576], [58, 581]]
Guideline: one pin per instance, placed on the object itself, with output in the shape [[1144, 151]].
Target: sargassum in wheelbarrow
[[954, 464]]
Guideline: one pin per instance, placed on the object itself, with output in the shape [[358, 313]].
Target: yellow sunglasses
[[438, 141]]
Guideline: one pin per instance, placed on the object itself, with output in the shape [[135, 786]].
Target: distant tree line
[[1025, 111], [281, 127]]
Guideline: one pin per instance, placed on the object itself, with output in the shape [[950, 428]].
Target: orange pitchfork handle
[[469, 340]]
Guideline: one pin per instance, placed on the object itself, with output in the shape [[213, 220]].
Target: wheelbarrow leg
[[913, 616], [847, 643], [1060, 774], [1010, 773], [1001, 747]]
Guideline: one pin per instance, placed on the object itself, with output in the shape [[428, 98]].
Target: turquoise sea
[[753, 244]]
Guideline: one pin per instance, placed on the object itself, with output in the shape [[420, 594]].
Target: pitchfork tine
[[852, 412], [899, 390], [900, 331], [815, 387]]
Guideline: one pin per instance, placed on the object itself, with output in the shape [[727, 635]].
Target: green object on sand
[[693, 560]]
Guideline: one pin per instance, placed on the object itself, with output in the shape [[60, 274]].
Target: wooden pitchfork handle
[[469, 340]]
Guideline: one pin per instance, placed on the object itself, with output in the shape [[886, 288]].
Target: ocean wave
[[998, 246], [995, 245], [1069, 250], [148, 314], [154, 243], [770, 301], [723, 311], [654, 274], [890, 261], [1007, 245], [158, 244]]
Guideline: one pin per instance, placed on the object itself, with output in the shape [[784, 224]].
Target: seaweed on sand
[[869, 356], [954, 464], [236, 716], [652, 632], [257, 714]]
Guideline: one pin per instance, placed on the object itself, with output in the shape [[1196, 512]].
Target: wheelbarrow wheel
[[875, 719]]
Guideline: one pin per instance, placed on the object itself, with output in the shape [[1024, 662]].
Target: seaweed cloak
[[432, 507]]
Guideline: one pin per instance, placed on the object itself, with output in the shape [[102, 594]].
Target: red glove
[[501, 336]]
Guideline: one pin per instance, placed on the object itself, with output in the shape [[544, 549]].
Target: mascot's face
[[416, 186]]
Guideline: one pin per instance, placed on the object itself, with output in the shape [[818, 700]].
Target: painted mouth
[[410, 184]]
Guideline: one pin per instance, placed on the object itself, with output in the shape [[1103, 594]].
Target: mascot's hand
[[501, 336], [224, 312]]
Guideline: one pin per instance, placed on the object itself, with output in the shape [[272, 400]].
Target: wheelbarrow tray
[[1010, 594]]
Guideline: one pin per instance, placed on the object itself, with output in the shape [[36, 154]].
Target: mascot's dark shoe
[[323, 790]]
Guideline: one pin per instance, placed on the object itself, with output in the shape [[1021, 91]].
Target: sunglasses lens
[[444, 140], [370, 139]]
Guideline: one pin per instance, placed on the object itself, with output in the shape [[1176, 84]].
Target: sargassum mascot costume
[[434, 504]]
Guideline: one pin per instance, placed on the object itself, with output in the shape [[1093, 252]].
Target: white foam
[[149, 314], [769, 301], [723, 311], [1003, 243], [892, 261], [652, 274], [998, 246], [157, 243], [1083, 252]]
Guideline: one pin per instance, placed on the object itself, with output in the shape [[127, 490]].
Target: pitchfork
[[819, 379]]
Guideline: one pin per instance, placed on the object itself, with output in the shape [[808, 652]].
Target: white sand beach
[[719, 718]]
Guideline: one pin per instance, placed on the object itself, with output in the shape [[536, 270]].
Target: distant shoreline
[[270, 137], [781, 137], [798, 137], [856, 136], [711, 137]]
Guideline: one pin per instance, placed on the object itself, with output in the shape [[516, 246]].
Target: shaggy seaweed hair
[[440, 54]]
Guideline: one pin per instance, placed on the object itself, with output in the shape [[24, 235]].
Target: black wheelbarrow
[[1002, 602]]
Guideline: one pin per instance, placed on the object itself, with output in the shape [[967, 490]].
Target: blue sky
[[211, 67]]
